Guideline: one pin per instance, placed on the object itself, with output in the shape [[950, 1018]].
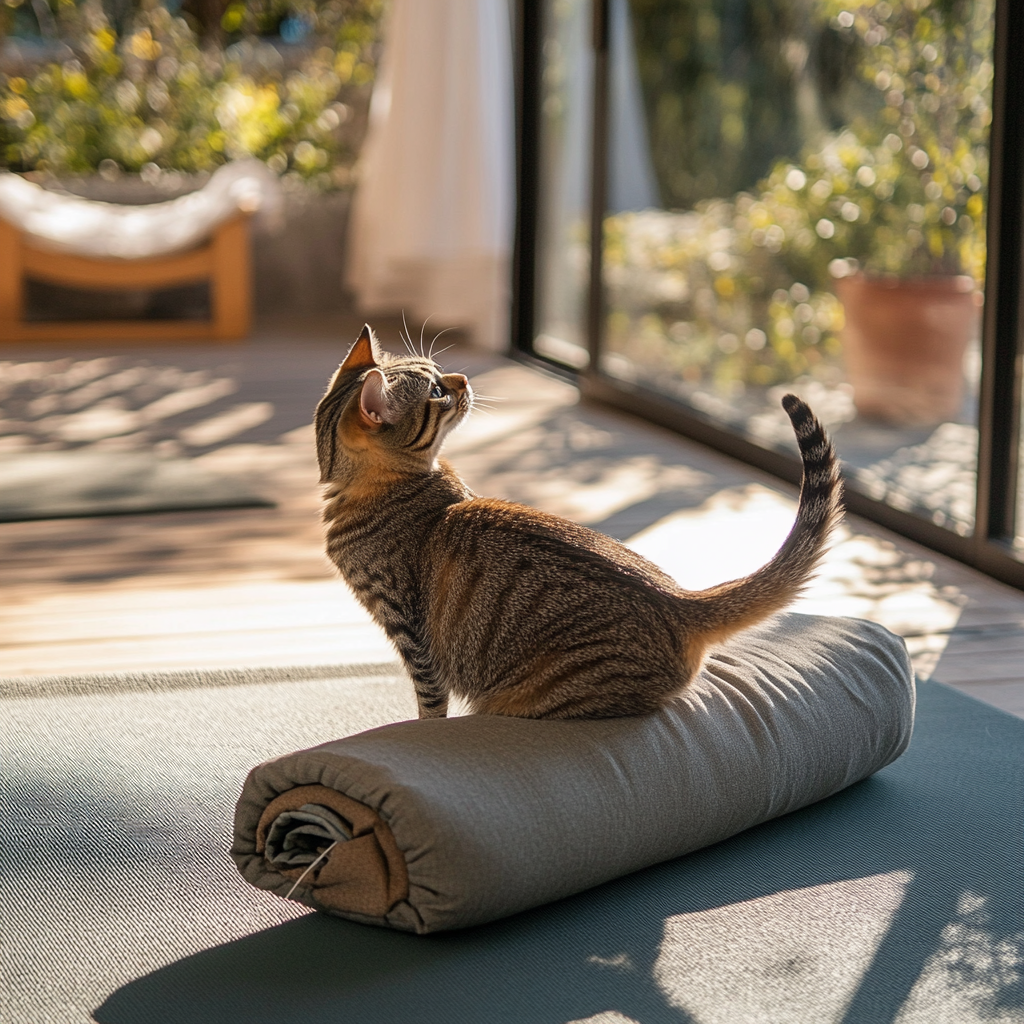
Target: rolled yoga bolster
[[444, 823]]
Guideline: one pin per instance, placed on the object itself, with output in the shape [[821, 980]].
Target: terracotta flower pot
[[904, 343]]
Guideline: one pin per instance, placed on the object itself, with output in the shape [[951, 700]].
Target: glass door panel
[[796, 202], [563, 210], [1018, 530]]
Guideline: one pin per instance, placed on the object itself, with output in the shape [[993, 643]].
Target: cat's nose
[[457, 380]]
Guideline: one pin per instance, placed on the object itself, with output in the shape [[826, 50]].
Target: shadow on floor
[[597, 467]]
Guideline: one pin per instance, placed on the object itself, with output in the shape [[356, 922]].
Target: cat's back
[[498, 533]]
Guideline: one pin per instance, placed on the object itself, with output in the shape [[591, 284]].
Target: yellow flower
[[105, 40], [144, 46], [77, 85], [15, 106]]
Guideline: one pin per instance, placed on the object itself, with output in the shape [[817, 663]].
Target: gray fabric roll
[[496, 815]]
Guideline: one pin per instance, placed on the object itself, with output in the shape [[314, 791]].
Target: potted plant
[[890, 212]]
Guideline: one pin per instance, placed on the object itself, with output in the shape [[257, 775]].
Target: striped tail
[[723, 610]]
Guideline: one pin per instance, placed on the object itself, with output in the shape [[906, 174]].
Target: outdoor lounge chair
[[64, 240]]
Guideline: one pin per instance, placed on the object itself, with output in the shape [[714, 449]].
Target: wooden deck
[[248, 587]]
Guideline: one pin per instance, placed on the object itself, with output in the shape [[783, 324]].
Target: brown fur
[[516, 611]]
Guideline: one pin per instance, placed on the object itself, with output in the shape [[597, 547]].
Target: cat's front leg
[[431, 695], [431, 702]]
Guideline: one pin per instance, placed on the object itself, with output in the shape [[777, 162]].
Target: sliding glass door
[[797, 195], [563, 194]]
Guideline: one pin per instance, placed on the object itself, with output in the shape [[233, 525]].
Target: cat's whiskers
[[430, 353], [423, 327], [407, 337], [486, 399]]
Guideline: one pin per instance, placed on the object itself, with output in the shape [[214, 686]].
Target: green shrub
[[901, 193], [156, 98]]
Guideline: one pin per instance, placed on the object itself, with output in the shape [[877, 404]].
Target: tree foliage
[[730, 85]]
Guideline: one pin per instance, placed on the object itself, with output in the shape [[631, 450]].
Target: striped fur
[[513, 610]]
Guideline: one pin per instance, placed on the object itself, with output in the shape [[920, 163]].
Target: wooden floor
[[250, 587]]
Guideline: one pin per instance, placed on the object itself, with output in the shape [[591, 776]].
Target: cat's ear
[[374, 400], [364, 353]]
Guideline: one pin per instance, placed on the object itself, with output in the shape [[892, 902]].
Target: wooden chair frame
[[224, 261]]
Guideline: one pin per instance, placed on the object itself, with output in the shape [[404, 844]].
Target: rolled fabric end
[[456, 822], [363, 874]]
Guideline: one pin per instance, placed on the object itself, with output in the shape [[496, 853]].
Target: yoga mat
[[900, 899], [65, 484]]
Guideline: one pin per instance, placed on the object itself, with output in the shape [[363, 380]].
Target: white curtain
[[431, 231], [632, 184]]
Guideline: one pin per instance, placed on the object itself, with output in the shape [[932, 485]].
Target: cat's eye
[[437, 391]]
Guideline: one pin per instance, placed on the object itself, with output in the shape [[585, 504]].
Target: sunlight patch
[[973, 974], [796, 955], [739, 529]]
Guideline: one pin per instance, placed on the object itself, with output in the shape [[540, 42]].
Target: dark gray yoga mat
[[900, 899], [67, 484]]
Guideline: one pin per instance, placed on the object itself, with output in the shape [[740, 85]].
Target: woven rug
[[63, 484], [899, 900]]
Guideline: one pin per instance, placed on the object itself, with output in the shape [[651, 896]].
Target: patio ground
[[249, 587]]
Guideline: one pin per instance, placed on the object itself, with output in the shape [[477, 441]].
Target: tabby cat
[[513, 610]]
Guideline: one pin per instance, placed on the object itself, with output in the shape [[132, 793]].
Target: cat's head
[[384, 412]]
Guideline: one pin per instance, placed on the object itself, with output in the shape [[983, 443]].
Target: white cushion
[[58, 222]]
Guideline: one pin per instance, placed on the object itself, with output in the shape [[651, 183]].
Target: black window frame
[[989, 548]]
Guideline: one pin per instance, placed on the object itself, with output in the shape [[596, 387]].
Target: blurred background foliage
[[729, 85], [148, 87], [900, 189], [792, 141], [795, 142]]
